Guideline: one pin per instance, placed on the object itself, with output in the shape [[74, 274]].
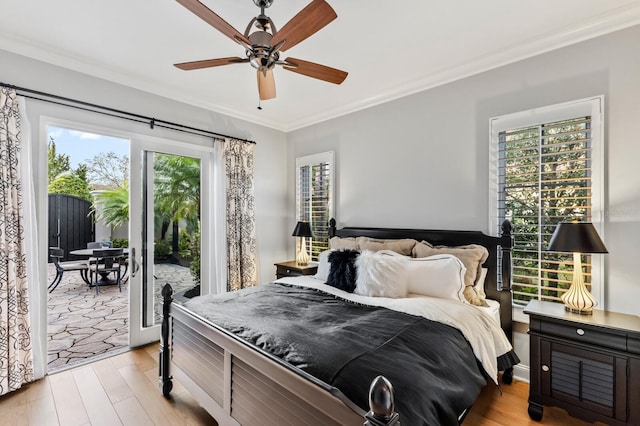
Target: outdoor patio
[[84, 325]]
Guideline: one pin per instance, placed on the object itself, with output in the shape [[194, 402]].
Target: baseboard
[[521, 373]]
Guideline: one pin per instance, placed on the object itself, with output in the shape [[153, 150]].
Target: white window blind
[[548, 169], [544, 179], [314, 198]]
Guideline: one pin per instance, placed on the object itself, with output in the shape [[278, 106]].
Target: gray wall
[[422, 161]]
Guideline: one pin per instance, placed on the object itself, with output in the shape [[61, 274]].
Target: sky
[[80, 146]]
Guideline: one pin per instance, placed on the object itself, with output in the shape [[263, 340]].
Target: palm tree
[[114, 205], [177, 188], [176, 196]]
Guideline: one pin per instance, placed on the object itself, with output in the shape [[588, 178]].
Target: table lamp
[[302, 230], [577, 238]]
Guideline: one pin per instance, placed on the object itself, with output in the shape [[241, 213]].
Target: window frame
[[592, 106], [310, 160]]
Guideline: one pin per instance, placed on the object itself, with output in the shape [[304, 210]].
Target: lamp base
[[578, 299], [302, 257]]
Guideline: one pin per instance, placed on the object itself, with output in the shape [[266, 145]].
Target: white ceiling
[[389, 48]]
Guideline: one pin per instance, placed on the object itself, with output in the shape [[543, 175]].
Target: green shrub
[[120, 243], [194, 267], [161, 250], [184, 243], [70, 184]]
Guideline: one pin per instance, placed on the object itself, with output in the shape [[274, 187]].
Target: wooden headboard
[[498, 281]]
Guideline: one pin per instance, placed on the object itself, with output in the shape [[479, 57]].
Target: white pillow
[[323, 266], [381, 274], [441, 275]]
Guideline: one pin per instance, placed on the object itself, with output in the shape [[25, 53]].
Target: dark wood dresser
[[292, 269], [587, 364]]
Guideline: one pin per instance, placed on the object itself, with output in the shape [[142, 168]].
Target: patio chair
[[124, 261], [106, 261], [98, 245], [56, 254]]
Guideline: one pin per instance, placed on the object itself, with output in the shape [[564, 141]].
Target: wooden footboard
[[238, 385]]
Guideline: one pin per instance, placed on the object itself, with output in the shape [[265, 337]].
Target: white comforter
[[486, 338]]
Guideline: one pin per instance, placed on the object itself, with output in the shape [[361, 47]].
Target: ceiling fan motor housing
[[261, 55]]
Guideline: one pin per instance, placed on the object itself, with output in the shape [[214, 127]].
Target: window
[[314, 198], [549, 170]]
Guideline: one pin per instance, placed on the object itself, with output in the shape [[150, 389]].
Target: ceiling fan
[[263, 46]]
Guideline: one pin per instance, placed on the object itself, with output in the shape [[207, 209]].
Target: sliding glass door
[[168, 199]]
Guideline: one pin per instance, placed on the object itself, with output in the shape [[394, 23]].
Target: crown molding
[[621, 18], [618, 19]]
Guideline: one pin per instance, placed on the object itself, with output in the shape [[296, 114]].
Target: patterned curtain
[[242, 270], [16, 358]]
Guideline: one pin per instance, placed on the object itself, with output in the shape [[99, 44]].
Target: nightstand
[[292, 269], [587, 364]]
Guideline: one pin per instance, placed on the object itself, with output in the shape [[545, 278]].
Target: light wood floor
[[124, 390]]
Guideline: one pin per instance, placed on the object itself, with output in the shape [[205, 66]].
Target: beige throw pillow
[[403, 246], [473, 297], [472, 256], [346, 243]]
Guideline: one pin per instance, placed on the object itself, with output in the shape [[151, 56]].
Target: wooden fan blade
[[266, 85], [321, 72], [211, 18], [208, 63], [307, 22]]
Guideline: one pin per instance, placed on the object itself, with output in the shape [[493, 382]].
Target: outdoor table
[[88, 252]]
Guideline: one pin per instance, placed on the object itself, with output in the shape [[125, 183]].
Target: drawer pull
[[289, 271], [580, 332], [545, 368]]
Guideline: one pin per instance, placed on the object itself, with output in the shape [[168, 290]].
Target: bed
[[232, 367]]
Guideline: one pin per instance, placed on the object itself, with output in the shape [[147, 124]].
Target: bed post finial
[[166, 381], [381, 404], [332, 228]]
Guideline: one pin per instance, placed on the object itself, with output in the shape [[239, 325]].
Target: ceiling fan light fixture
[[266, 84]]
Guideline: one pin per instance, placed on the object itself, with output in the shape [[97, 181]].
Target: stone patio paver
[[60, 344], [83, 325]]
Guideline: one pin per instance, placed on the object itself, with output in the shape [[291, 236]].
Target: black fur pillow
[[342, 273]]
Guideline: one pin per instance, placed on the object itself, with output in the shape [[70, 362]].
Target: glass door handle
[[134, 264]]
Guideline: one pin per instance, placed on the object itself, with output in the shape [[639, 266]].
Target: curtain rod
[[112, 112]]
